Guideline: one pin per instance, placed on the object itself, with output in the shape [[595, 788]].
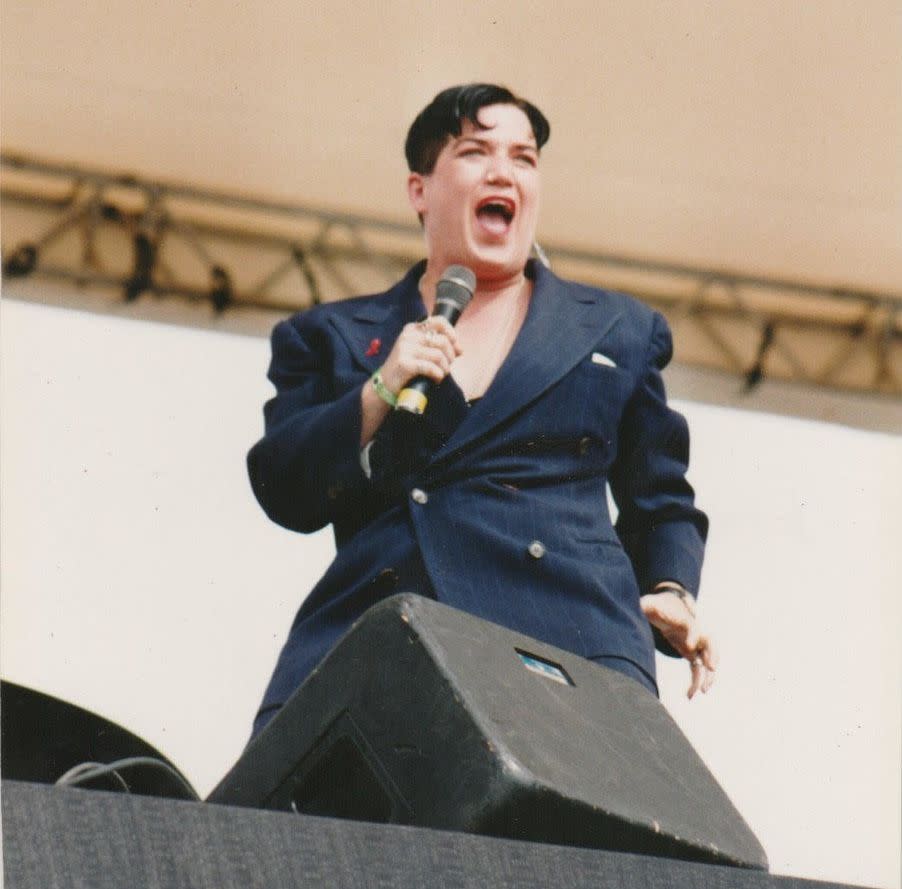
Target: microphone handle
[[414, 397]]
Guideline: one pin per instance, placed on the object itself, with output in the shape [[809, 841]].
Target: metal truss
[[142, 237]]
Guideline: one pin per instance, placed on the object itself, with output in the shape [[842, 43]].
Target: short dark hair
[[443, 118]]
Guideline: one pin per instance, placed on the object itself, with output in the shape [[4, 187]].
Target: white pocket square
[[598, 358]]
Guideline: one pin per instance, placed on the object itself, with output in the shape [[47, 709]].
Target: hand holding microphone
[[452, 295], [423, 353]]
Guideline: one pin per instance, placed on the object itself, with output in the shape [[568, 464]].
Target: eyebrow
[[531, 146]]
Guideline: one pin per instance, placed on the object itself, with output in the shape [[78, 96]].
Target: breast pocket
[[590, 399]]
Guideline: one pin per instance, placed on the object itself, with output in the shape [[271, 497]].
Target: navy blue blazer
[[499, 509]]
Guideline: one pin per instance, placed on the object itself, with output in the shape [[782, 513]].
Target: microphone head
[[456, 287]]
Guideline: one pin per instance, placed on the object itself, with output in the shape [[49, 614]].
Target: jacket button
[[583, 447], [418, 495], [536, 549]]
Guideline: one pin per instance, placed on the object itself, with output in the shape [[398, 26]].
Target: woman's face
[[480, 203]]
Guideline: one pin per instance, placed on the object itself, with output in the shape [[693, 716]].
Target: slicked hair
[[443, 119]]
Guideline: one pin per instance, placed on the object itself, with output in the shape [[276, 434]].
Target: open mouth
[[495, 214]]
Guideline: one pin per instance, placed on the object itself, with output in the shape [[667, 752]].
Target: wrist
[[373, 412], [382, 390], [678, 590]]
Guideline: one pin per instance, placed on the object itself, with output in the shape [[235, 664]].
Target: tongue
[[493, 222]]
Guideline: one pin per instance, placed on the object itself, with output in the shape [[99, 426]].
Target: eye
[[529, 160]]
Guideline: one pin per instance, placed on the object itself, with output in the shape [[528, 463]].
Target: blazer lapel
[[564, 324], [372, 328]]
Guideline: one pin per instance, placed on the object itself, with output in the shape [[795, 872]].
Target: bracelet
[[382, 390], [671, 586]]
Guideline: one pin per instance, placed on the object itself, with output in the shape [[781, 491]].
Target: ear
[[416, 192]]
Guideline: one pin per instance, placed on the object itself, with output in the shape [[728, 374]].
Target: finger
[[426, 367], [443, 327], [411, 339], [675, 632], [694, 639], [438, 333], [420, 331], [709, 658], [436, 356], [409, 366], [698, 674], [679, 636], [702, 647], [440, 341]]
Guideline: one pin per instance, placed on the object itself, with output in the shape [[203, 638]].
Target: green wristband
[[382, 390]]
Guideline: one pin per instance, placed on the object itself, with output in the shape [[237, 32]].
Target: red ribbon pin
[[375, 346]]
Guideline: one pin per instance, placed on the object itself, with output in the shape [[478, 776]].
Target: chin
[[490, 266]]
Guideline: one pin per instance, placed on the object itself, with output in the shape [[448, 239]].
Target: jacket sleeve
[[660, 527], [306, 469]]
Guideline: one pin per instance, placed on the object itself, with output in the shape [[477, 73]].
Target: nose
[[500, 170]]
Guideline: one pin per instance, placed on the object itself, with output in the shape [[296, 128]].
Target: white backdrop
[[141, 580]]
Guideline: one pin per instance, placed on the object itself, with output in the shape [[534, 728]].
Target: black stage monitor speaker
[[58, 838], [428, 716], [44, 738]]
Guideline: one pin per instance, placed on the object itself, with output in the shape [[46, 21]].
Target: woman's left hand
[[674, 618]]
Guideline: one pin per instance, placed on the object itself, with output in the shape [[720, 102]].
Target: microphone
[[452, 295]]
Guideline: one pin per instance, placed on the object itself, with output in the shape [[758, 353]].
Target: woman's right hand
[[425, 348]]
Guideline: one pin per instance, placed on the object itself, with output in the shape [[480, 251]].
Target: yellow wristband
[[382, 390]]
